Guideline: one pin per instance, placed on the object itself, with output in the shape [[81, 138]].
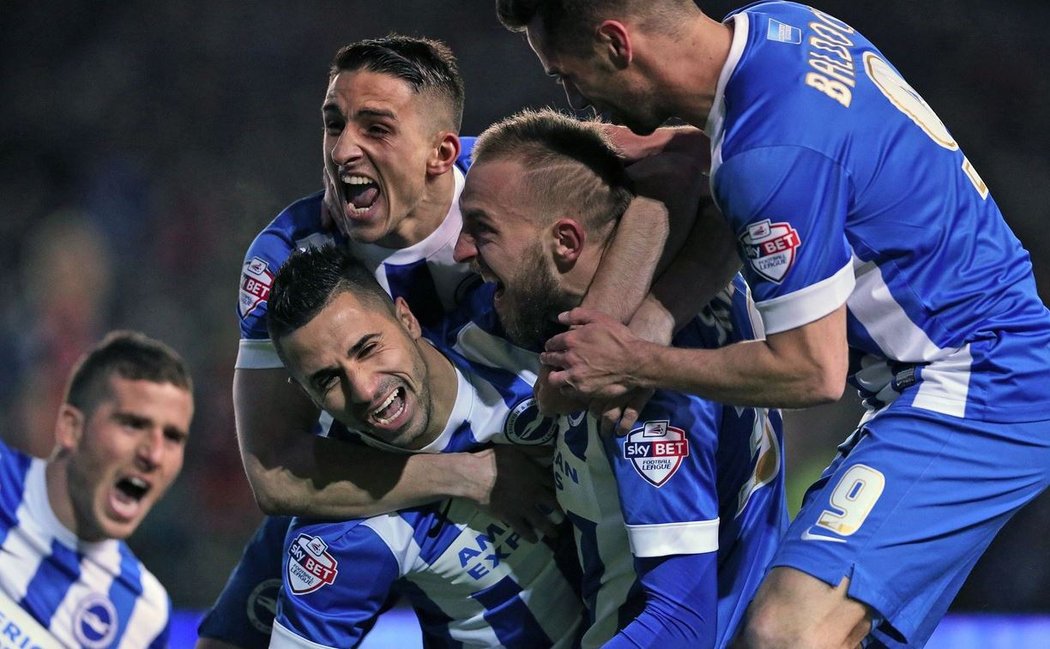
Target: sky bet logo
[[771, 248], [656, 451], [311, 565]]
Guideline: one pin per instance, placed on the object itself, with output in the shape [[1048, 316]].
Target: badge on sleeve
[[310, 565], [656, 450], [770, 248], [256, 281]]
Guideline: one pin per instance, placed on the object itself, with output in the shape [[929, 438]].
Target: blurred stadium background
[[142, 146]]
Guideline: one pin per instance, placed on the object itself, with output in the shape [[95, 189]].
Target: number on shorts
[[853, 498]]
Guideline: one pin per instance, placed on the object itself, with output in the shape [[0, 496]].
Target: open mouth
[[133, 488], [390, 409], [361, 193]]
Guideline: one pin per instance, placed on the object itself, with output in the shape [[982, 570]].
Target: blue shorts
[[243, 614], [908, 506]]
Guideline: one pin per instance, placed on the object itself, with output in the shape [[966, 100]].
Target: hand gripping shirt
[[85, 594], [843, 186], [694, 481], [471, 580]]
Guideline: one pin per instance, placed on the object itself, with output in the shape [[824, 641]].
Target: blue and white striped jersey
[[85, 594], [844, 186], [424, 274], [471, 580], [694, 477]]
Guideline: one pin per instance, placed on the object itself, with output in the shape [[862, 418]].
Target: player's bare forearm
[[799, 368], [703, 265], [627, 266], [294, 472]]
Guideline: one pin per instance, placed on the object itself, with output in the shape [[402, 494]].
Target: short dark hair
[[570, 162], [568, 20], [425, 64], [308, 281], [130, 355]]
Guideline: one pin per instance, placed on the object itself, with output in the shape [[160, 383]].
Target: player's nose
[[346, 149], [576, 99], [465, 249]]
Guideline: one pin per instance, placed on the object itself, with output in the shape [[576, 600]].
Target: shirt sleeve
[[788, 206], [337, 579], [666, 476], [681, 601]]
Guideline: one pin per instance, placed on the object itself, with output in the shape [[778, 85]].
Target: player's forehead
[[350, 91], [164, 404]]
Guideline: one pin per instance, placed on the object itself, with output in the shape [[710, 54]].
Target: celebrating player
[[471, 579], [66, 576], [393, 166], [676, 521], [875, 251]]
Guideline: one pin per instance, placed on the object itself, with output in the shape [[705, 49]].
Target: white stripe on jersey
[[28, 549], [399, 537], [669, 538], [945, 382], [808, 304]]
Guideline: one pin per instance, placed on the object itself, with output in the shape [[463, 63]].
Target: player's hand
[[550, 401], [619, 415], [330, 208], [521, 491], [594, 359]]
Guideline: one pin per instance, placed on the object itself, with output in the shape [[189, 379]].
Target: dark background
[[143, 144]]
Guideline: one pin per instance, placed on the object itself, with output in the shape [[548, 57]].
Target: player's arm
[[798, 368], [293, 472], [681, 603]]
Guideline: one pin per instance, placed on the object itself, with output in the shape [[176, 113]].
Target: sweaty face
[[500, 239], [377, 139], [363, 365], [125, 455], [590, 81]]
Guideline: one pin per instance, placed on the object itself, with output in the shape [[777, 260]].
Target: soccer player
[[676, 521], [875, 251], [394, 167], [66, 576], [471, 579]]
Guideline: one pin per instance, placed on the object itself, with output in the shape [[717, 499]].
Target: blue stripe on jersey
[[431, 531], [13, 469], [511, 388], [591, 563], [432, 620], [124, 598], [510, 617], [416, 281], [51, 582], [463, 440]]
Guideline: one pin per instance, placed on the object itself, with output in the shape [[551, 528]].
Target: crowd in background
[[142, 146]]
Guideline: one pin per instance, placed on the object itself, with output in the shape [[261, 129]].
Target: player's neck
[[691, 82], [444, 387], [427, 216], [56, 476]]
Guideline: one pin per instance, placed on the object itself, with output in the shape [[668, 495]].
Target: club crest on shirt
[[310, 565], [526, 426], [656, 450], [95, 622], [261, 606], [256, 280], [771, 248]]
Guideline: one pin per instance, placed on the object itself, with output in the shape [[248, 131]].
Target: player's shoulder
[[14, 466], [297, 225]]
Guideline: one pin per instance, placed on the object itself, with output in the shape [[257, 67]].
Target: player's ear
[[69, 427], [407, 318], [445, 152], [615, 42], [569, 237]]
